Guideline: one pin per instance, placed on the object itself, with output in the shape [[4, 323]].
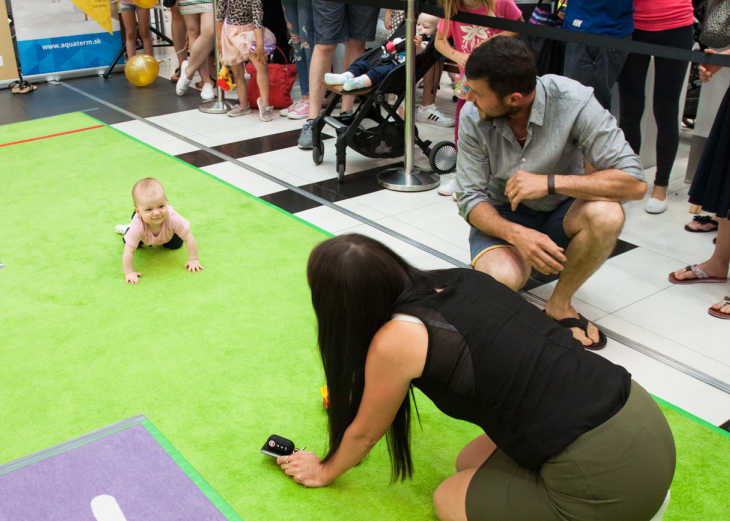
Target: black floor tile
[[726, 426], [360, 183], [293, 202]]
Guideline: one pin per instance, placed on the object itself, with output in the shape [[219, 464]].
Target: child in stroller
[[361, 74], [384, 70]]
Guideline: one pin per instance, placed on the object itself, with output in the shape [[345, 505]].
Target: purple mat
[[129, 465]]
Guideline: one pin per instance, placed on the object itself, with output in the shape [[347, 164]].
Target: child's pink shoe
[[300, 110]]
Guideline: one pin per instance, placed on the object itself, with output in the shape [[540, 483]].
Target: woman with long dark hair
[[568, 434]]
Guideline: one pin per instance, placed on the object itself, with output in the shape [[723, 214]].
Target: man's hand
[[524, 185], [707, 70], [544, 255], [132, 277], [193, 265], [259, 54], [305, 467]]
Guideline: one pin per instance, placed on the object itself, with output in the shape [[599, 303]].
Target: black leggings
[[669, 78]]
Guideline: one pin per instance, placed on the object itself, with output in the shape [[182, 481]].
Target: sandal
[[700, 220], [701, 275], [176, 76], [583, 323], [718, 312]]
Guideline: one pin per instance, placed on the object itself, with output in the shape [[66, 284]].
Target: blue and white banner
[[57, 36]]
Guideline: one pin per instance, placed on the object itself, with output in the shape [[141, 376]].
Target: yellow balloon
[[145, 4], [141, 70]]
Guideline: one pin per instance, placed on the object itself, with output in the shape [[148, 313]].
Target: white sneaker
[[447, 188], [431, 115], [208, 92], [122, 228], [655, 206], [182, 84]]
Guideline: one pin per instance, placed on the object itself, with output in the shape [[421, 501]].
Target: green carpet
[[217, 360]]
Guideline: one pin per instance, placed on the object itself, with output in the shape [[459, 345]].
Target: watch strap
[[551, 184]]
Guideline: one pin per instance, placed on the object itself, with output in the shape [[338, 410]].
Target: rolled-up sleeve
[[472, 169], [602, 143]]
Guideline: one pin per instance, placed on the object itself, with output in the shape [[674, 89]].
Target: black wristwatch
[[551, 184]]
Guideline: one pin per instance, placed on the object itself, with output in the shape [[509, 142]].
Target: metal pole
[[220, 105], [408, 178]]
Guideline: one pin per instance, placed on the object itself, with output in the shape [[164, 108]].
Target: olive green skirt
[[621, 470]]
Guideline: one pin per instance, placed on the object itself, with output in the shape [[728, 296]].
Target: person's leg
[[449, 499], [353, 49], [669, 79], [262, 79], [320, 65], [143, 19], [594, 67], [178, 30], [594, 227], [631, 87], [200, 49], [361, 24], [306, 34], [717, 265], [130, 31], [291, 14], [239, 71], [192, 25], [475, 453], [431, 82]]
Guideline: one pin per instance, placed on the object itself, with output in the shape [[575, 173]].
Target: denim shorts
[[129, 7], [551, 224], [337, 23]]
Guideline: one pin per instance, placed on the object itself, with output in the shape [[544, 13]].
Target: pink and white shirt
[[468, 36], [139, 231]]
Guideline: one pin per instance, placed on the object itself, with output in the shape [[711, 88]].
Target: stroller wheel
[[443, 157], [318, 153]]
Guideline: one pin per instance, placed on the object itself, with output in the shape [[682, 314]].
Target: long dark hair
[[356, 282]]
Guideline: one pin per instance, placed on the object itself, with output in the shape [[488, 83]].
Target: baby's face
[[152, 207], [426, 26]]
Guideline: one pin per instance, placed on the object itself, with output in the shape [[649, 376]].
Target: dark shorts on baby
[[551, 224], [336, 23]]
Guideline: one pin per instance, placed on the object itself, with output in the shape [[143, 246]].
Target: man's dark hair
[[506, 64]]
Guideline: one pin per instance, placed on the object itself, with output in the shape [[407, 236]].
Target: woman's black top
[[499, 362]]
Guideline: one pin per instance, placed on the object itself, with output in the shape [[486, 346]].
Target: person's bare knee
[[144, 32], [475, 453], [506, 265], [449, 498], [603, 216]]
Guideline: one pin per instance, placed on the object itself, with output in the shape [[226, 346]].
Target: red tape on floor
[[52, 135]]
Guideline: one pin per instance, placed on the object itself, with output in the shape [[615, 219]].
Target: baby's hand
[[418, 40], [131, 277], [193, 265]]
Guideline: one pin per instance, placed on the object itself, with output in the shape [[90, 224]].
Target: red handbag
[[281, 81]]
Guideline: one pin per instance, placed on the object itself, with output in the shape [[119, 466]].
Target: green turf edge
[[691, 416], [199, 481], [325, 232]]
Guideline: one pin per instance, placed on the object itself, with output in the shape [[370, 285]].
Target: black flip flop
[[582, 323], [177, 71], [703, 219]]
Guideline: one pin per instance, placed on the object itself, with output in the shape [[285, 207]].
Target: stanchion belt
[[554, 33]]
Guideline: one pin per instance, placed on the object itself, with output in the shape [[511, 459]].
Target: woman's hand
[[706, 70], [305, 467]]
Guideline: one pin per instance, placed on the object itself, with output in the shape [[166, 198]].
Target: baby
[[154, 222], [361, 75]]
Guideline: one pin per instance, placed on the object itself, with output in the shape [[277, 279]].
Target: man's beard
[[505, 111]]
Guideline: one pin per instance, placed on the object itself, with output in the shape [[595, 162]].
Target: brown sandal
[[718, 312], [701, 275], [176, 77]]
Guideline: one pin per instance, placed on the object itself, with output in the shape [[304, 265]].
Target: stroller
[[387, 138]]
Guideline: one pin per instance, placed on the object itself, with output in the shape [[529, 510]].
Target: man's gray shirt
[[566, 124]]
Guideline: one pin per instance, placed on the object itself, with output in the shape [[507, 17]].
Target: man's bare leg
[[506, 265], [353, 49], [595, 227]]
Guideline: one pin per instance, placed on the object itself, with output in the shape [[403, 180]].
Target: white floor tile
[[686, 392], [667, 347], [393, 203], [626, 279], [680, 313], [328, 219], [361, 209], [176, 147], [143, 132], [413, 255], [665, 233], [427, 239], [246, 180], [440, 219]]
